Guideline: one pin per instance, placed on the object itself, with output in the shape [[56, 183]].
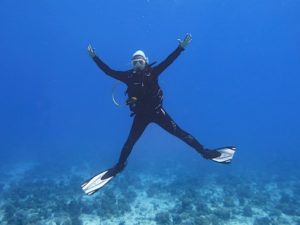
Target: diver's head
[[139, 60]]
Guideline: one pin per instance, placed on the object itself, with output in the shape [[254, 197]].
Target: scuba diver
[[145, 100]]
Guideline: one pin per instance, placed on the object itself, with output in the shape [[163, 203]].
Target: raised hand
[[187, 39], [91, 51]]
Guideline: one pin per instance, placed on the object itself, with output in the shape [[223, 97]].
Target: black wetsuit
[[145, 101]]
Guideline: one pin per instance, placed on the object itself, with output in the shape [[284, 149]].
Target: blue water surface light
[[235, 84]]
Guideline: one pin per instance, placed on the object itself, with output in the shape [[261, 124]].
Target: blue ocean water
[[237, 83]]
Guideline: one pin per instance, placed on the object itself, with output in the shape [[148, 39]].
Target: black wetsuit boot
[[114, 171]]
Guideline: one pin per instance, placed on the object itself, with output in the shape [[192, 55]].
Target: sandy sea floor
[[32, 194]]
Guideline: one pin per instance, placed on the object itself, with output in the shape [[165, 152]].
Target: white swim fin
[[226, 156], [95, 183]]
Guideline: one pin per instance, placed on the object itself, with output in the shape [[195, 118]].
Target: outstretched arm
[[119, 75], [171, 58]]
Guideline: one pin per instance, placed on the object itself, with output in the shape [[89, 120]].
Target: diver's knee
[[188, 138], [174, 126]]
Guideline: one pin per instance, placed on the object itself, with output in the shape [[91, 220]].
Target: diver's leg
[[139, 124], [164, 120]]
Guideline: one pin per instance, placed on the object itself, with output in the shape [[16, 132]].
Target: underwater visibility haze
[[236, 84]]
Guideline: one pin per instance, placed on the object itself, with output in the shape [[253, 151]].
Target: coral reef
[[163, 218], [247, 211], [51, 197]]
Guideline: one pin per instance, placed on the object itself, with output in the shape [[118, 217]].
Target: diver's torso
[[144, 92]]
